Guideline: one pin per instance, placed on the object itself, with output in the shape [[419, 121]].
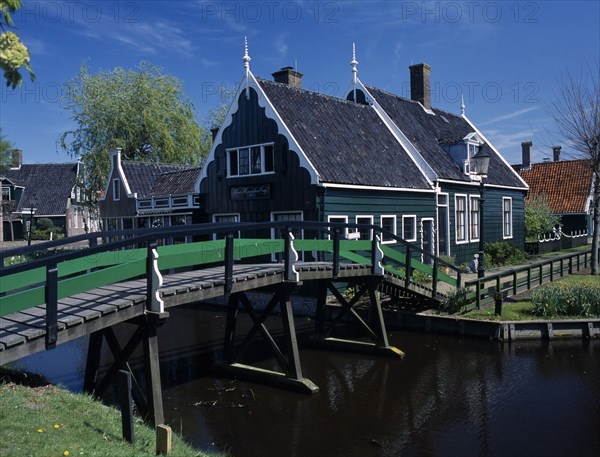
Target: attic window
[[250, 160], [116, 190]]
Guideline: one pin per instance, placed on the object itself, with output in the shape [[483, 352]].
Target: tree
[[5, 162], [142, 111], [576, 114], [13, 53], [539, 218]]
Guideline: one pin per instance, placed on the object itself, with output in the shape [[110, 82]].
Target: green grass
[[49, 421], [522, 310]]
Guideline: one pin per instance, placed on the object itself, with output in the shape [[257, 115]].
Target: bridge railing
[[507, 283], [137, 253]]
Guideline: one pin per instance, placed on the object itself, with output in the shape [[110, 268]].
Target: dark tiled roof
[[345, 141], [566, 184], [175, 182], [141, 176], [47, 186], [427, 133]]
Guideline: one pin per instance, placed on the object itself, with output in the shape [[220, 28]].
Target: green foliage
[[539, 218], [456, 300], [44, 223], [420, 277], [141, 110], [13, 53], [44, 234], [5, 154], [503, 253], [559, 299]]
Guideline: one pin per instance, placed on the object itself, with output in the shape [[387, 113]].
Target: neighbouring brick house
[[52, 190], [566, 184]]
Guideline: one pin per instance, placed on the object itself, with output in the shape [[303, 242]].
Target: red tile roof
[[566, 184]]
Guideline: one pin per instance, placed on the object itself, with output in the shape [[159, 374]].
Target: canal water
[[448, 397]]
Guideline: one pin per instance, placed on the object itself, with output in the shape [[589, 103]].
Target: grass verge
[[521, 309], [45, 421]]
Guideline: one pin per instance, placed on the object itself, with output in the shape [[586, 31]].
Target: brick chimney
[[17, 158], [289, 76], [419, 84], [556, 153], [526, 154]]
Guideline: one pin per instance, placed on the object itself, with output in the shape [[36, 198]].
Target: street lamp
[[31, 211], [481, 164]]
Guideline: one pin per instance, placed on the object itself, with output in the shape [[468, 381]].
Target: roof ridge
[[158, 164], [411, 100], [311, 92]]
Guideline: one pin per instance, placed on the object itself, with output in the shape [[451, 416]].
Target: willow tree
[[141, 110], [576, 115]]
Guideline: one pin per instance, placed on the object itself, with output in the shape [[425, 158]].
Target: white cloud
[[512, 115]]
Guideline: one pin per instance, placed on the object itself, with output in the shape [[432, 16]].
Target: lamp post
[[481, 163], [32, 211]]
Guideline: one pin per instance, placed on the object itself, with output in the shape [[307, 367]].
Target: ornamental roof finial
[[247, 60], [354, 62], [246, 57], [462, 105]]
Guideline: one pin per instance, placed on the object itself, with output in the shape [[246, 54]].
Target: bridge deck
[[24, 333]]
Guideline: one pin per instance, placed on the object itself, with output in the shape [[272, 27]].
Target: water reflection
[[448, 397]]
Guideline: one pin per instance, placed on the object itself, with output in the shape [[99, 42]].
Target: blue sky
[[505, 57]]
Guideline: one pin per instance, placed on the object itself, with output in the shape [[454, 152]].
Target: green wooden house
[[286, 153]]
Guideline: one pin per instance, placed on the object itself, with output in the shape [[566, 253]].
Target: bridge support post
[[154, 387], [291, 372], [376, 331], [150, 406]]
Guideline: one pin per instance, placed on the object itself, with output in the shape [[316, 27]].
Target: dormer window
[[462, 149]]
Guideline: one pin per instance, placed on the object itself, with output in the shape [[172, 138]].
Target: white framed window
[[338, 220], [116, 190], [365, 234], [460, 218], [276, 233], [6, 193], [256, 159], [443, 225], [475, 217], [388, 222], [507, 220], [223, 218], [409, 227]]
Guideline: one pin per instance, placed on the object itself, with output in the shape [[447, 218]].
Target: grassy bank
[[43, 420], [520, 307]]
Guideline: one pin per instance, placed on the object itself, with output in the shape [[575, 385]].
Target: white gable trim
[[249, 81], [482, 136], [477, 183], [413, 153], [117, 152]]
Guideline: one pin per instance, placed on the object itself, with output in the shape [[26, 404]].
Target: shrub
[[43, 223], [456, 300], [503, 253], [582, 299]]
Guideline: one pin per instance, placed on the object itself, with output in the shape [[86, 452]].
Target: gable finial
[[353, 64], [246, 57], [462, 104], [246, 60]]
